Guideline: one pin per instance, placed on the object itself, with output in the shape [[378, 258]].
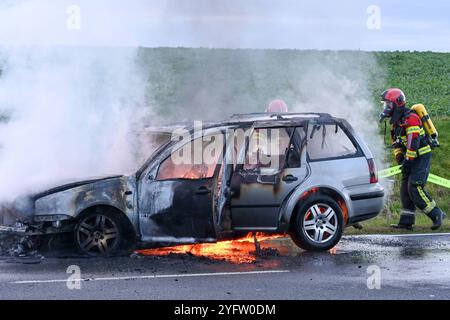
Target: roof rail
[[279, 115]]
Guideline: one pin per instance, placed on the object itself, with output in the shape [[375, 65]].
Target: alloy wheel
[[97, 234], [320, 223]]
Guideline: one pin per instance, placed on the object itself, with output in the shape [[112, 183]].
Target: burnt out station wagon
[[321, 179]]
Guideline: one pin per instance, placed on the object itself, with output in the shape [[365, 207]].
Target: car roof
[[242, 119]]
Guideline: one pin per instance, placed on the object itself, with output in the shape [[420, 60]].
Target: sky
[[300, 24]]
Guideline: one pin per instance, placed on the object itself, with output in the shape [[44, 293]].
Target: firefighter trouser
[[412, 190]]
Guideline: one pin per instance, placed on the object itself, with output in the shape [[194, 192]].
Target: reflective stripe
[[413, 129], [423, 195], [424, 150], [430, 207], [397, 151], [411, 154], [421, 151], [406, 212], [422, 132], [430, 204]]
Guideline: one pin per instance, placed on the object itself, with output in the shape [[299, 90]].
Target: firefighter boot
[[436, 215], [407, 220]]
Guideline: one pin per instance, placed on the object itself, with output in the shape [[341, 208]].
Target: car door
[[270, 171], [175, 204]]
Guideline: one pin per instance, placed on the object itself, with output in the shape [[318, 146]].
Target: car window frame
[[359, 153], [293, 126], [299, 147], [215, 171]]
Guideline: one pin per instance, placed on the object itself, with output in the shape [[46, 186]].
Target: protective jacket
[[409, 138]]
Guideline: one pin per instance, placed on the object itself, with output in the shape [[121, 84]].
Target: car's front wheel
[[318, 224], [100, 233]]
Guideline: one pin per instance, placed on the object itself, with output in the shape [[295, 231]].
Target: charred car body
[[321, 179]]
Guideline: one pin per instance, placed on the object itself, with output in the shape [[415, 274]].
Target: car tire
[[318, 224], [101, 233]]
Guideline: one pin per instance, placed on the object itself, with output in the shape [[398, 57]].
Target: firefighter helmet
[[277, 106], [394, 103], [394, 95]]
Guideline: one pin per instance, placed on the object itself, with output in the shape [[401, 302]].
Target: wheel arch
[[300, 197], [129, 228]]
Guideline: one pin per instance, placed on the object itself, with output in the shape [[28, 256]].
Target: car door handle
[[290, 178], [203, 190]]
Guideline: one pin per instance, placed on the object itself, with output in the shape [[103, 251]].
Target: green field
[[186, 84]]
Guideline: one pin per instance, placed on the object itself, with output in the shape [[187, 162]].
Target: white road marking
[[398, 235], [156, 276]]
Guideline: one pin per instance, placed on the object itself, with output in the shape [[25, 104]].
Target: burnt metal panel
[[117, 192], [176, 209]]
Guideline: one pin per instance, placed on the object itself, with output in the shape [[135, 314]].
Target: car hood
[[71, 183]]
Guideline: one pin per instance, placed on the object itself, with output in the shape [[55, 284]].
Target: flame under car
[[306, 175]]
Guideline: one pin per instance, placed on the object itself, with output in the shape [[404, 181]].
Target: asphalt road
[[398, 267]]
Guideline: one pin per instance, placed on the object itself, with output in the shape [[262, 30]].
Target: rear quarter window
[[329, 141]]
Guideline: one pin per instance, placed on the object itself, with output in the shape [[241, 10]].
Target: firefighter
[[263, 140], [412, 150], [277, 106]]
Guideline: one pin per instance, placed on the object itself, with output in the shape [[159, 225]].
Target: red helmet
[[394, 95], [277, 106], [394, 99]]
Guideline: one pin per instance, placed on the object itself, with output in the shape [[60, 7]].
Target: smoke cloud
[[340, 84], [212, 84], [73, 112]]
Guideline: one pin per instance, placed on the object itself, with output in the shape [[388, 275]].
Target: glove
[[406, 167], [400, 159]]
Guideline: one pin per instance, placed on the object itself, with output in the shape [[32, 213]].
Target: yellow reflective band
[[423, 196], [397, 151], [424, 150], [411, 154], [430, 204], [422, 132], [429, 207], [413, 129]]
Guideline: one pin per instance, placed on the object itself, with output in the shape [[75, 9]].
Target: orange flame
[[241, 250], [344, 210], [333, 250], [308, 192]]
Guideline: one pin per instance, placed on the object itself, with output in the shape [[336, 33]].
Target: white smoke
[[73, 113], [339, 84]]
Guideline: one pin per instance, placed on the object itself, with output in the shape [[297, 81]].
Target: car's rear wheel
[[100, 233], [318, 224]]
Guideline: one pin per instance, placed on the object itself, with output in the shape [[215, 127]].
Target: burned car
[[308, 175]]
